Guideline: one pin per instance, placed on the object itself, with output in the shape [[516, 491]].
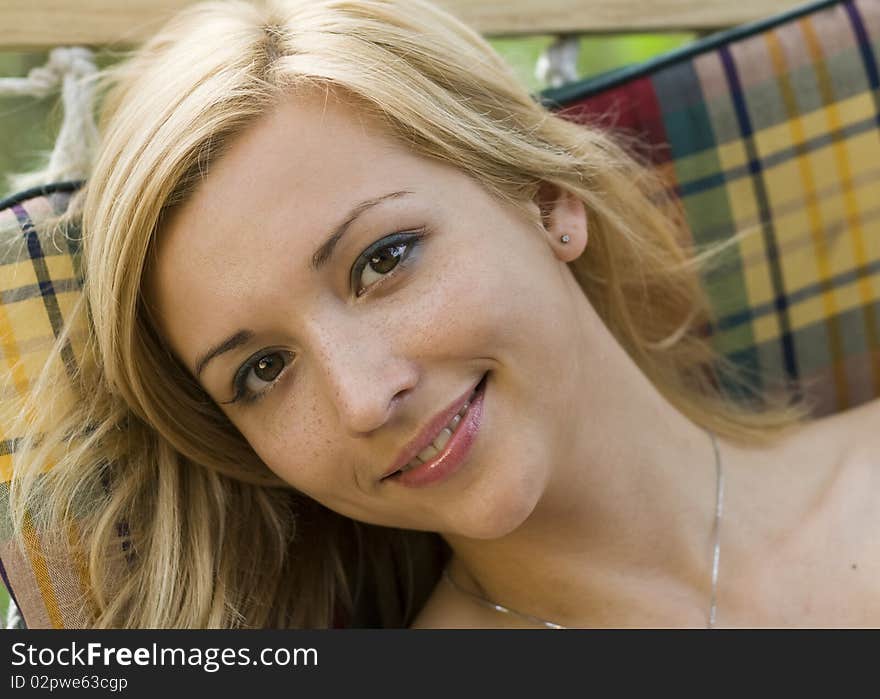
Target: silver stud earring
[[564, 239]]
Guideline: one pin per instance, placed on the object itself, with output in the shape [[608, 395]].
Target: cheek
[[480, 294], [511, 299], [296, 444], [304, 447]]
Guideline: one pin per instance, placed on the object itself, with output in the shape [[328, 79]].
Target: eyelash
[[412, 240]]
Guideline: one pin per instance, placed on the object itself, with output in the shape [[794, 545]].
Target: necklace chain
[[716, 546], [716, 555]]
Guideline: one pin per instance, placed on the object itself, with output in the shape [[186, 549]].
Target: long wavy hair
[[180, 523]]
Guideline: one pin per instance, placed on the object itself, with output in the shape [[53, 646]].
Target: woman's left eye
[[382, 259]]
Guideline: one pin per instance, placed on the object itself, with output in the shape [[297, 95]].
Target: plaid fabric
[[774, 127], [39, 283]]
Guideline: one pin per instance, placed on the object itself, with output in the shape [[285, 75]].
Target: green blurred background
[[29, 125]]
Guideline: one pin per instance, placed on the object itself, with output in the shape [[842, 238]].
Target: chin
[[492, 513]]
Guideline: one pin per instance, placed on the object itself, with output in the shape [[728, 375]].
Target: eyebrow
[[230, 343], [319, 259], [325, 250]]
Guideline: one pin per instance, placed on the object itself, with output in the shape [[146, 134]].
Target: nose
[[365, 374]]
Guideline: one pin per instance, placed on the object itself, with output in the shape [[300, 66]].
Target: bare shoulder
[[840, 437], [856, 431], [863, 413], [869, 413], [848, 444]]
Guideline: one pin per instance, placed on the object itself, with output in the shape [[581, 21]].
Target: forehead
[[310, 153]]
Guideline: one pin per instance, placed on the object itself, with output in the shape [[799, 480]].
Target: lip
[[430, 432], [454, 454]]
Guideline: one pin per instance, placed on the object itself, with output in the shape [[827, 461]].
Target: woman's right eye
[[258, 375]]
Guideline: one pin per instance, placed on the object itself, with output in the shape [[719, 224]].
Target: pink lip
[[430, 432], [453, 456]]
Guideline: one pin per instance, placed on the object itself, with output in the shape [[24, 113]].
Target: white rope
[[558, 64], [13, 617], [73, 70]]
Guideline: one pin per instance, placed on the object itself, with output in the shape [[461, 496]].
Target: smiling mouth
[[445, 438]]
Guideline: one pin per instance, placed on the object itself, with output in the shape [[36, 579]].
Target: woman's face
[[330, 367]]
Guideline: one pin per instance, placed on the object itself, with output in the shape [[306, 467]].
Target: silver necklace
[[716, 555]]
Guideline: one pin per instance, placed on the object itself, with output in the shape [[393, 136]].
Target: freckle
[[854, 566]]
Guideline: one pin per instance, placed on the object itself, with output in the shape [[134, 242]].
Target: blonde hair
[[213, 538]]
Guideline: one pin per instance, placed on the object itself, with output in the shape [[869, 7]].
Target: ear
[[562, 214]]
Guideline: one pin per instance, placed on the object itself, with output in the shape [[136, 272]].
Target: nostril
[[401, 394]]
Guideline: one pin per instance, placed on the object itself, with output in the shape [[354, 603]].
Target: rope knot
[[72, 60], [69, 69], [75, 62]]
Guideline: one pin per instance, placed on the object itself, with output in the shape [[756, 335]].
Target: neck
[[623, 531]]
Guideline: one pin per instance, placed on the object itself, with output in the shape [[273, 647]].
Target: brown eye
[[387, 258], [383, 259], [268, 368], [256, 378], [259, 374]]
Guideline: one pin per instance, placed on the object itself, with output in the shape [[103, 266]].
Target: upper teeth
[[441, 440]]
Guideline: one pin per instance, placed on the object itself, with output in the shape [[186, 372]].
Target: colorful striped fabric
[[774, 127]]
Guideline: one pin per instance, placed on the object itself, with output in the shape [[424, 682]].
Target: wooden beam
[[517, 17], [39, 24]]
